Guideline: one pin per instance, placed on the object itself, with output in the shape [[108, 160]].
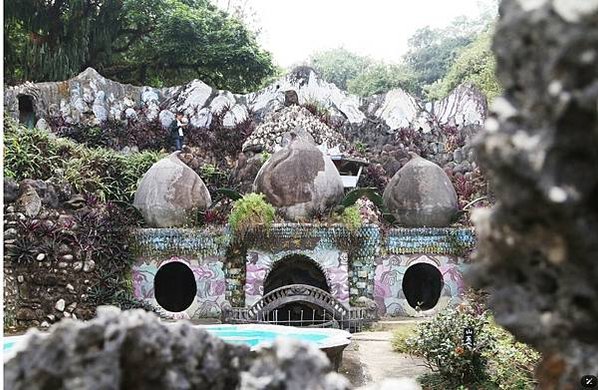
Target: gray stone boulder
[[300, 181], [135, 350], [421, 194], [168, 191]]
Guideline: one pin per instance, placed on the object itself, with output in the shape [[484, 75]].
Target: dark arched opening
[[26, 111], [174, 286], [422, 285], [295, 269]]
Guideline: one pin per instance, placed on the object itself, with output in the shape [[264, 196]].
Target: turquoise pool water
[[249, 336], [254, 337]]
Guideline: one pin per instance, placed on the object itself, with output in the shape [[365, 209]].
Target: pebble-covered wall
[[366, 262]]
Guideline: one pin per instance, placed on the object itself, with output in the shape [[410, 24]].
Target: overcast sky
[[292, 30]]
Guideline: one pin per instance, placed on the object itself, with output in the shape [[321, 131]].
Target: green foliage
[[440, 343], [162, 42], [249, 211], [351, 218], [497, 361], [475, 65], [379, 78], [36, 154], [369, 192], [400, 337], [338, 66]]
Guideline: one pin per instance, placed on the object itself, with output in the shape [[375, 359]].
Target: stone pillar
[[538, 246]]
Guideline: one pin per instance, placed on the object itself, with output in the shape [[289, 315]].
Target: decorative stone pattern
[[209, 278], [388, 291], [356, 264]]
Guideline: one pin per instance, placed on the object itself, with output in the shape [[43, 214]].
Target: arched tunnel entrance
[[297, 270], [174, 286], [422, 285], [26, 111]]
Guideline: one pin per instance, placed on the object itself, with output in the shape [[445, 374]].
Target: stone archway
[[422, 286], [296, 269], [26, 110], [174, 286]]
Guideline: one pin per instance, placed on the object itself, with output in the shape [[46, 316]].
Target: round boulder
[[300, 180], [168, 191], [421, 194]]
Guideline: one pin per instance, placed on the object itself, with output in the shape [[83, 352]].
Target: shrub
[[496, 362], [251, 210], [440, 343], [36, 154], [351, 218]]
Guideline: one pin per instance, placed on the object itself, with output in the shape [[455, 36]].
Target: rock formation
[[89, 99], [270, 133], [421, 194], [538, 245], [300, 181], [168, 191], [135, 350]]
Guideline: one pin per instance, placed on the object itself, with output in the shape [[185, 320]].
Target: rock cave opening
[[174, 286], [422, 285], [292, 270], [26, 111]]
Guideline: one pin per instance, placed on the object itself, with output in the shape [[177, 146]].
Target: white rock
[[60, 305]]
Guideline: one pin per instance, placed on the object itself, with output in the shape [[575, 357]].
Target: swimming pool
[[252, 335]]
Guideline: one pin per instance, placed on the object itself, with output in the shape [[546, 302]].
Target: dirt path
[[370, 358]]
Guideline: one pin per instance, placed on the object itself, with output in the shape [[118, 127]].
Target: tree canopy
[[156, 42]]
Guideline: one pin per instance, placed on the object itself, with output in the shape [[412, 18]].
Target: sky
[[292, 30]]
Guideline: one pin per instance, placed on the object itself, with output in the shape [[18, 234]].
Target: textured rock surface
[[89, 99], [134, 350], [300, 181], [421, 194], [538, 246], [168, 191], [269, 135]]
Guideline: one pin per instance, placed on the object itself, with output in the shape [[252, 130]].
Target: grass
[[400, 336]]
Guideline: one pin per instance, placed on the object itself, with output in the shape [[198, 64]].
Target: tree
[[162, 42], [338, 66], [475, 64], [379, 78]]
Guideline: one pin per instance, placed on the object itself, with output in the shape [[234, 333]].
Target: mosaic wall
[[445, 249], [366, 262], [202, 251]]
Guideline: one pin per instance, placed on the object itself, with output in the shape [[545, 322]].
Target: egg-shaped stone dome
[[421, 194], [168, 191], [300, 180]]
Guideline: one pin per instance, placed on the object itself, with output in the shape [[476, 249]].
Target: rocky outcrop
[[269, 135], [89, 99], [168, 191], [134, 350], [537, 246], [300, 181], [421, 194]]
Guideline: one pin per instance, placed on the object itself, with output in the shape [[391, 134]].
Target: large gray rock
[[538, 246], [300, 181], [421, 194], [135, 350], [168, 191]]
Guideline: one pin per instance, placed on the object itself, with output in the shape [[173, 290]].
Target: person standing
[[176, 130]]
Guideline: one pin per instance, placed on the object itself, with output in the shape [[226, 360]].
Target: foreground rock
[[134, 350], [421, 194], [300, 180], [168, 191], [538, 246]]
